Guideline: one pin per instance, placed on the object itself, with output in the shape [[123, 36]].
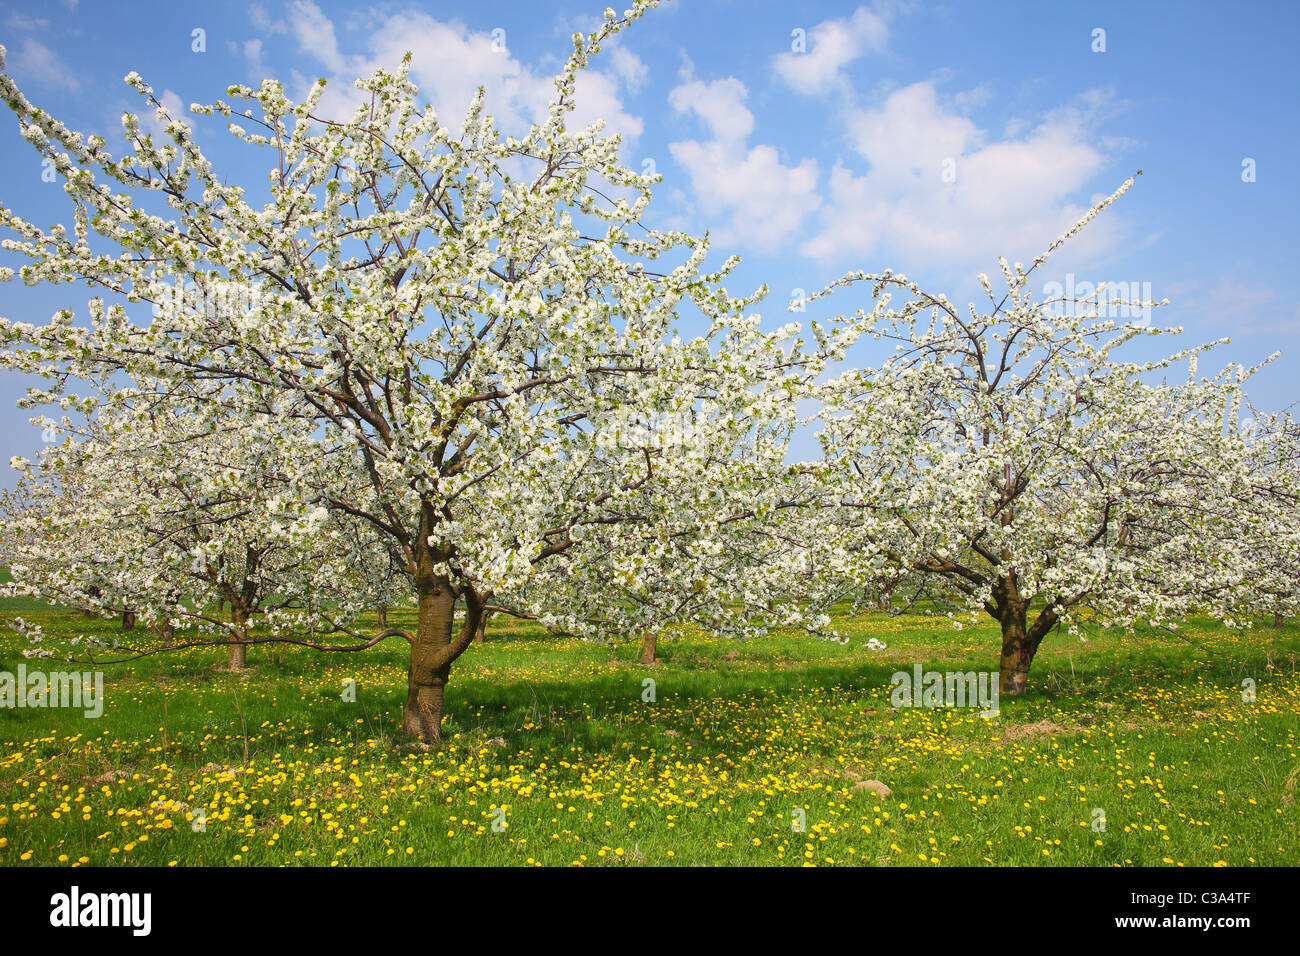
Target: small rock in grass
[[875, 786]]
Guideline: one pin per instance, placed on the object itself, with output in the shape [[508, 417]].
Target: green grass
[[1152, 730]]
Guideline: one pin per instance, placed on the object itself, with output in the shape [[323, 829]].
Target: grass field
[[550, 740]]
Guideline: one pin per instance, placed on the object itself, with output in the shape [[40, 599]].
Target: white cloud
[[176, 108], [1238, 302], [315, 33], [37, 62], [832, 45], [765, 202], [21, 21], [909, 134], [972, 99], [252, 51], [262, 20], [721, 104], [1010, 197], [629, 68], [450, 62]]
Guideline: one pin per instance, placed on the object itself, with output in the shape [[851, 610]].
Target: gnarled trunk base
[[238, 659], [1013, 665], [426, 679], [1020, 641], [432, 649], [422, 716]]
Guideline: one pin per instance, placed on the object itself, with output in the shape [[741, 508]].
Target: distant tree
[[146, 508], [1272, 546], [1011, 459]]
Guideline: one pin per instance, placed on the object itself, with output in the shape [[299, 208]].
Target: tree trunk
[[648, 645], [434, 649], [383, 618], [238, 659], [1020, 640], [94, 592], [1017, 653], [1277, 619], [480, 635], [128, 620], [427, 676]]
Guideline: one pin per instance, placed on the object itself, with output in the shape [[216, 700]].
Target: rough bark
[[427, 676], [383, 618], [649, 644], [238, 659], [434, 649], [128, 620], [1020, 639], [1017, 655]]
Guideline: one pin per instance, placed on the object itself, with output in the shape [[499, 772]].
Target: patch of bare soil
[[1043, 728], [110, 776]]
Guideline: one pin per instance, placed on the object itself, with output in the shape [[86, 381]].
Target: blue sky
[[806, 162]]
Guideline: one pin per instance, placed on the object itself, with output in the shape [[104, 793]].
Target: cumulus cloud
[[629, 68], [252, 52], [315, 33], [831, 45], [35, 61], [761, 200], [263, 21], [450, 62], [936, 186], [176, 108], [720, 104]]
